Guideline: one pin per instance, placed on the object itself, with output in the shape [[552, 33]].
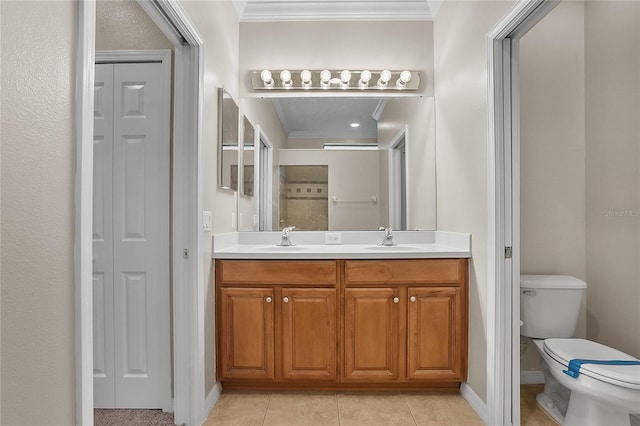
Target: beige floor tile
[[530, 413], [302, 409], [239, 409], [441, 409], [379, 410]]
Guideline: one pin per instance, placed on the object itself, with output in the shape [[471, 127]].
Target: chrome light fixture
[[336, 80], [385, 76], [267, 78], [405, 77], [365, 78], [305, 78], [285, 77]]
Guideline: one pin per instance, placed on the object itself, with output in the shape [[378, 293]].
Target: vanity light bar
[[335, 80]]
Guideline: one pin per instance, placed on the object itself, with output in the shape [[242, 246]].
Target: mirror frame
[[222, 96]]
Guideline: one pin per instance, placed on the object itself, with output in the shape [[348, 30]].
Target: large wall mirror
[[347, 163], [227, 141]]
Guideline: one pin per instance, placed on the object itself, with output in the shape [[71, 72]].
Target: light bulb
[[354, 125], [266, 77], [345, 78], [365, 77], [385, 76], [405, 77], [285, 77], [325, 77], [305, 76]]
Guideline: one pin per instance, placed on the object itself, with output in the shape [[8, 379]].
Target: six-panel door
[[246, 329]]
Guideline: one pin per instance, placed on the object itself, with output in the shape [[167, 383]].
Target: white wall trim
[[474, 401], [531, 377], [83, 245], [393, 182], [503, 309], [152, 55], [261, 136], [210, 401]]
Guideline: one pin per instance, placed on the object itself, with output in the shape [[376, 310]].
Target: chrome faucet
[[286, 238], [388, 237]]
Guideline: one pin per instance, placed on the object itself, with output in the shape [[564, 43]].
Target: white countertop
[[355, 245]]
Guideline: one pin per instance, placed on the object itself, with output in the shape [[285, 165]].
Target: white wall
[[217, 23], [38, 163], [418, 115], [122, 25], [336, 45], [552, 132], [460, 33], [613, 173], [353, 175]]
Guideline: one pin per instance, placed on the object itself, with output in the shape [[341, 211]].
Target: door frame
[[393, 160], [503, 167], [164, 57], [260, 138], [188, 286]]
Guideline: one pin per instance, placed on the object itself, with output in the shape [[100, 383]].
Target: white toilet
[[599, 394]]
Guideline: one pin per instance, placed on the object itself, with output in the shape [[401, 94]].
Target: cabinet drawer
[[277, 272], [441, 271]]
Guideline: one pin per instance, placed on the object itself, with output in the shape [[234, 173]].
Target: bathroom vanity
[[347, 316]]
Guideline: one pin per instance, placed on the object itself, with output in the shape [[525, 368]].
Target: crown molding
[[277, 11]]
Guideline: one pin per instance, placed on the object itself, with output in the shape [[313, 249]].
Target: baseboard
[[210, 401], [478, 405], [531, 377]]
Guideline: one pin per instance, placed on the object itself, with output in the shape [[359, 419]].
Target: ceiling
[[335, 10], [329, 118]]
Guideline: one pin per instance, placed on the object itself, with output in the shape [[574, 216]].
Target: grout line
[[264, 417], [338, 408], [415, 422]]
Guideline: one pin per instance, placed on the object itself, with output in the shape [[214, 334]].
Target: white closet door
[[140, 162], [103, 337]]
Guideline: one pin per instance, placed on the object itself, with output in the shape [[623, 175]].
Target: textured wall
[[552, 152], [122, 25], [460, 33], [38, 162], [613, 173]]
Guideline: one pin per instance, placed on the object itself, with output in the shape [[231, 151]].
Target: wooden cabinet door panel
[[371, 330], [309, 334], [247, 339], [435, 333]]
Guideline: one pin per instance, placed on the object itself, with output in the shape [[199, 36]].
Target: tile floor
[[350, 409]]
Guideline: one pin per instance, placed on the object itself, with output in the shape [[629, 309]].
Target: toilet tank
[[550, 305]]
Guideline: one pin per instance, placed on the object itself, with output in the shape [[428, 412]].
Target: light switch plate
[[207, 221], [333, 238]]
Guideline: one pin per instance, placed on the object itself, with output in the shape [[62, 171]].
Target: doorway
[[265, 182], [131, 230], [398, 182]]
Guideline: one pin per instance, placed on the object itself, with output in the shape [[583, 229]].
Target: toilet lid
[[564, 350]]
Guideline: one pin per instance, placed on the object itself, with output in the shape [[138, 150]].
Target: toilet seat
[[564, 350]]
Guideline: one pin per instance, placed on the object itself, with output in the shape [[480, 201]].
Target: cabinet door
[[309, 333], [436, 334], [371, 330], [246, 333]]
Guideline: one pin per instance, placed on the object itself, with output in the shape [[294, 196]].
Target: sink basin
[[283, 248], [393, 248]]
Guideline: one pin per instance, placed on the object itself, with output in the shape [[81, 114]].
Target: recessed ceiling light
[[354, 124]]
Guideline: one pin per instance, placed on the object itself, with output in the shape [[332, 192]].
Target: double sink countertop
[[353, 245]]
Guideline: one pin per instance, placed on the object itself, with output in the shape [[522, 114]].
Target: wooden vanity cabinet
[[405, 320], [343, 324], [277, 321]]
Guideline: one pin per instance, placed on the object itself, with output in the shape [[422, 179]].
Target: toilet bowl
[[589, 394], [600, 395]]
